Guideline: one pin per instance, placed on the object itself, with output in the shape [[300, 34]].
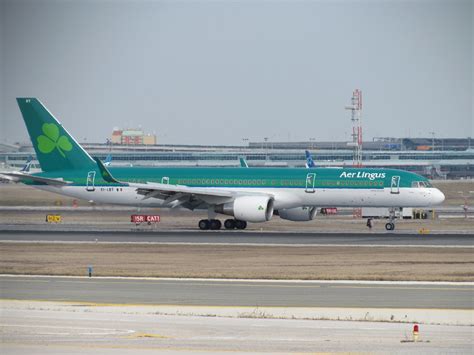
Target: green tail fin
[[55, 148]]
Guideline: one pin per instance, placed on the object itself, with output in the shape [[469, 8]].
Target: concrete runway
[[245, 237], [239, 293], [31, 328]]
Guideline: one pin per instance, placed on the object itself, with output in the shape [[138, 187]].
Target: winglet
[[108, 160], [27, 166], [309, 160], [106, 175], [243, 162]]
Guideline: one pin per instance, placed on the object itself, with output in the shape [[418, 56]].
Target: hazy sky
[[213, 72]]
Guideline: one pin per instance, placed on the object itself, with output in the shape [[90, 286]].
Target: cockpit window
[[421, 184]]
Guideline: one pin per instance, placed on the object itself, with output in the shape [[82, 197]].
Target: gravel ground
[[243, 262]]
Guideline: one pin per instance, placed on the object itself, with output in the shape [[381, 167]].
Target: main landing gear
[[215, 224], [235, 224]]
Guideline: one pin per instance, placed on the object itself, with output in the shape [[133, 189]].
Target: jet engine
[[298, 214], [248, 208]]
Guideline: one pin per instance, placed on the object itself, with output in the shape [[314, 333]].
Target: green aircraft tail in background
[[55, 148]]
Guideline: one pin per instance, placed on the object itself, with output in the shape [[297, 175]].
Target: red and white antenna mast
[[356, 108]]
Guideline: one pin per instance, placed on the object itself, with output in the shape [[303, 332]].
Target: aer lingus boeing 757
[[249, 195]]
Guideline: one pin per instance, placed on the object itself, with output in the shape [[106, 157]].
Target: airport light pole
[[356, 107], [432, 141], [244, 141]]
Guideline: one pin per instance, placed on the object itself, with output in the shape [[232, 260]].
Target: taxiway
[[243, 237], [239, 293]]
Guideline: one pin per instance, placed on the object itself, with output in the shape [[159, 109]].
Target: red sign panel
[[144, 218], [328, 210]]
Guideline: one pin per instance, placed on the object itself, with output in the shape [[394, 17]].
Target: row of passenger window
[[365, 183], [220, 182], [263, 182], [252, 182]]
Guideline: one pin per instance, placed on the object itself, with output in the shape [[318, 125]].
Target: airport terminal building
[[450, 158]]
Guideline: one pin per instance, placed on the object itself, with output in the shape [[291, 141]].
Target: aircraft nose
[[437, 196]]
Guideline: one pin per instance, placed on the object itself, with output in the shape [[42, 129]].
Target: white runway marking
[[246, 244], [355, 282], [85, 330]]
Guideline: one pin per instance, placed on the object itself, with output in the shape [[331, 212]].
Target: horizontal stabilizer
[[19, 177]]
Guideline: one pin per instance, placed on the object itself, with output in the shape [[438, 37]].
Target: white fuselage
[[283, 197]]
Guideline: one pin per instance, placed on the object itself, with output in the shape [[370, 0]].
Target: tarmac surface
[[240, 293], [58, 329], [243, 237]]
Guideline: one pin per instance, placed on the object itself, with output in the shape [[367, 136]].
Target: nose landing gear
[[390, 225]]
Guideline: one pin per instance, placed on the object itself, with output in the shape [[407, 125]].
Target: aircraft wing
[[177, 195], [21, 177], [188, 196], [185, 196], [173, 195]]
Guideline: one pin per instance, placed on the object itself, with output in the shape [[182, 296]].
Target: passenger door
[[310, 181], [90, 181], [395, 185]]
